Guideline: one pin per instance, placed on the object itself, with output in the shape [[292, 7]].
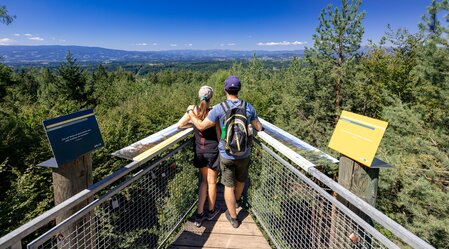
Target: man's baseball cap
[[232, 83]]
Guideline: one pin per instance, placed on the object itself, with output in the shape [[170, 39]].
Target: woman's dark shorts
[[209, 160]]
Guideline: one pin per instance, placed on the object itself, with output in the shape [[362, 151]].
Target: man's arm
[[201, 125]]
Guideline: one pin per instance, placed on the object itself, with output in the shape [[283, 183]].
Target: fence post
[[68, 180], [361, 180]]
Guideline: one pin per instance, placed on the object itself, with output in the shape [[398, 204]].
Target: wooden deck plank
[[220, 241], [223, 227], [219, 233]]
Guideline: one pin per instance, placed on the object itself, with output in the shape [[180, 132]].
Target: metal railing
[[297, 213], [14, 239], [141, 212], [143, 209]]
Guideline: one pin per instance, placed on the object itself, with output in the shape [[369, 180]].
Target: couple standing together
[[222, 142]]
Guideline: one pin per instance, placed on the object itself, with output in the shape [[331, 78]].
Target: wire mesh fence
[[297, 213], [144, 209], [141, 212]]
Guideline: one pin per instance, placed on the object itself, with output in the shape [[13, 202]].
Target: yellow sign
[[358, 137]]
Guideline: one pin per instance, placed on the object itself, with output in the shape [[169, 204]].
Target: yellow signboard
[[358, 137]]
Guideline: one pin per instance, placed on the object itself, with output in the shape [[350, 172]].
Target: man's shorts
[[209, 160], [232, 170]]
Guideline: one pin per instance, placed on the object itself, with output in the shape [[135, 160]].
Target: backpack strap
[[225, 106], [243, 106]]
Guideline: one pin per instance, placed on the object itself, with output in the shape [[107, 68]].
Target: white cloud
[[16, 34], [282, 43], [299, 43], [188, 44], [173, 45], [29, 35], [227, 44], [62, 40], [36, 38], [146, 44], [6, 41]]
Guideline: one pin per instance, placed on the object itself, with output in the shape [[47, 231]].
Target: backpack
[[234, 133]]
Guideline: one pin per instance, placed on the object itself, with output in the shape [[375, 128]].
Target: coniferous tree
[[430, 74], [5, 17], [72, 83], [430, 24], [338, 38]]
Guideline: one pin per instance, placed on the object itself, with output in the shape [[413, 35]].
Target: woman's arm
[[184, 121]]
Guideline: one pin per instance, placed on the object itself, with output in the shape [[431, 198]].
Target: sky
[[190, 24]]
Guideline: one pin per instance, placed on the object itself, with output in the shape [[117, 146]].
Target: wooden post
[[68, 180], [71, 178], [361, 180]]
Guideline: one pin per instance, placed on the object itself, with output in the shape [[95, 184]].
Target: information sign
[[73, 135], [358, 137]]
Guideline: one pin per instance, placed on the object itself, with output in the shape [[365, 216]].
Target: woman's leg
[[212, 187], [203, 190]]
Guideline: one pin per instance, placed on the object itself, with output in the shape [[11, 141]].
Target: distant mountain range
[[25, 55]]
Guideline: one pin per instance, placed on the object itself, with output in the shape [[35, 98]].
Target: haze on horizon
[[198, 25]]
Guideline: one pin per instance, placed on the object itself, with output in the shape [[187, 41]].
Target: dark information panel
[[73, 135]]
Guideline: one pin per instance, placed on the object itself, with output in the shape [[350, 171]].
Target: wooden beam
[[68, 180], [361, 181]]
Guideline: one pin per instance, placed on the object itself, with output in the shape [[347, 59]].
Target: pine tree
[[5, 17], [430, 74], [430, 24], [338, 38], [72, 83]]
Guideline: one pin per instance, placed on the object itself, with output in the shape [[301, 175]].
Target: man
[[234, 169]]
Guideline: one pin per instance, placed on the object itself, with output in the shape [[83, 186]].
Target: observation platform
[[147, 203]]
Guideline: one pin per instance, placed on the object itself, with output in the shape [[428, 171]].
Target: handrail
[[328, 197], [291, 140], [86, 209], [175, 135], [371, 211], [18, 234]]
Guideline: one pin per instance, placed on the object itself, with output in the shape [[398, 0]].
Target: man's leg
[[228, 180], [230, 201], [239, 186], [241, 175]]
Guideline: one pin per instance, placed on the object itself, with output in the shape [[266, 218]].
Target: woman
[[206, 155]]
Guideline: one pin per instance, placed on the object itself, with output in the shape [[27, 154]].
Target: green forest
[[402, 79]]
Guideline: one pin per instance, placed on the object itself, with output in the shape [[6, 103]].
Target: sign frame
[[358, 137], [71, 136]]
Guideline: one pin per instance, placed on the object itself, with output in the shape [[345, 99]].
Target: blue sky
[[195, 24]]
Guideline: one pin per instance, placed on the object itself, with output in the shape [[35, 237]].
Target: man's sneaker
[[234, 222], [212, 213], [199, 219]]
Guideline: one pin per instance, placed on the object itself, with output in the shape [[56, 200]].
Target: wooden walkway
[[219, 233]]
